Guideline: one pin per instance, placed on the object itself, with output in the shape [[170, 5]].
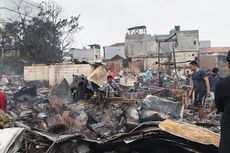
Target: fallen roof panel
[[190, 132]]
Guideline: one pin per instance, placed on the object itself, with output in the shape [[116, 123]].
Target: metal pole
[[158, 56], [174, 61], [2, 61]]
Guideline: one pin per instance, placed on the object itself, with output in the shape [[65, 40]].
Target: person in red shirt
[[2, 101]]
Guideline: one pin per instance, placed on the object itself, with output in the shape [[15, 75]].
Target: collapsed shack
[[144, 120], [149, 137]]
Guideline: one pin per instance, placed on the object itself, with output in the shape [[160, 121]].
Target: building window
[[96, 56], [194, 42], [193, 54]]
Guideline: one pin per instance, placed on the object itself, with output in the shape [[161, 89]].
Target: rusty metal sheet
[[98, 76], [190, 132]]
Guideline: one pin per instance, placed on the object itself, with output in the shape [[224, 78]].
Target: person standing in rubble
[[161, 78], [2, 101], [222, 101], [199, 84], [149, 75], [188, 79], [213, 80], [111, 88]]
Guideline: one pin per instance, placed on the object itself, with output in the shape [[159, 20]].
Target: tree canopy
[[42, 38]]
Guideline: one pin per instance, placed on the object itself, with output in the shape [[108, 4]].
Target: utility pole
[[158, 56], [174, 59], [2, 57]]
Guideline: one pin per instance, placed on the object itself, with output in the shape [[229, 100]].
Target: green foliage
[[11, 65], [42, 39]]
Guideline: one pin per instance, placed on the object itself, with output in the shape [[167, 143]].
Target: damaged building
[[214, 57], [144, 49], [91, 54], [114, 50], [51, 122], [145, 119], [49, 75]]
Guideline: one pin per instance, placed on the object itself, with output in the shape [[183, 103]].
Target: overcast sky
[[105, 22]]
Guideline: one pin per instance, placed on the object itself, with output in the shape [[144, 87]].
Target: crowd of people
[[203, 84]]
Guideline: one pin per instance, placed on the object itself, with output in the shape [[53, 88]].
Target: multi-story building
[[214, 57], [187, 48], [147, 50], [91, 54], [114, 50], [139, 43], [205, 44]]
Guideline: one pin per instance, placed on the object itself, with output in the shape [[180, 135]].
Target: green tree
[[42, 39], [5, 40]]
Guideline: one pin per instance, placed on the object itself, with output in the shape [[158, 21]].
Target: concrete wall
[[145, 45], [140, 45], [186, 56], [82, 54], [188, 40], [183, 67], [111, 51], [148, 62], [56, 73], [211, 61], [85, 54], [205, 44], [38, 72], [208, 61]]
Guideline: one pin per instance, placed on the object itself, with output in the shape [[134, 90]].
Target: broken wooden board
[[98, 76], [127, 81], [190, 132]]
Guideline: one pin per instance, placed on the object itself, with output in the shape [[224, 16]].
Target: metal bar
[[159, 45], [174, 59]]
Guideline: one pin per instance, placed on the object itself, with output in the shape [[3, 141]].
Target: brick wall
[[208, 61]]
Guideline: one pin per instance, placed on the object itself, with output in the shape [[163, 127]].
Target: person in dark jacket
[[213, 80], [222, 101], [200, 84]]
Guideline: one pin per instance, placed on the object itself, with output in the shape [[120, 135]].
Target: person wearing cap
[[222, 101]]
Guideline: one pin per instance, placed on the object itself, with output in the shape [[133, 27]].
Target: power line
[[30, 3], [15, 11]]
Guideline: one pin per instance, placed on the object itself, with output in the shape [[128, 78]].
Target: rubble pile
[[58, 121]]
